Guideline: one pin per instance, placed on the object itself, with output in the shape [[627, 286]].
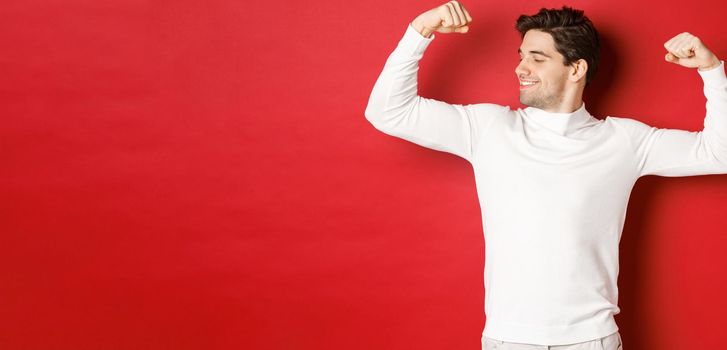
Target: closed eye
[[536, 60]]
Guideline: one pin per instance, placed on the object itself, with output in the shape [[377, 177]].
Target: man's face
[[541, 63]]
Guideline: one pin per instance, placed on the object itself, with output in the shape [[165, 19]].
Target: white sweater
[[553, 189]]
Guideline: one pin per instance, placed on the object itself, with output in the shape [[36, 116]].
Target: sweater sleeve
[[674, 152], [395, 108]]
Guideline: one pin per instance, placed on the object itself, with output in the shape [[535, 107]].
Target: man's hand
[[447, 18], [688, 51]]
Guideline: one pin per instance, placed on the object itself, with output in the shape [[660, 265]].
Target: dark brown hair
[[574, 35]]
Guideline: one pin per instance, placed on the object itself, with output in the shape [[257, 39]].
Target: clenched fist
[[688, 51], [447, 18]]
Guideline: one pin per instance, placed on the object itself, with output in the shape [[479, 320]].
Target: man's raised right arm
[[395, 107]]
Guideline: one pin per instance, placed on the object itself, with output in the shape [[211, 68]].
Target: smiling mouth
[[527, 84]]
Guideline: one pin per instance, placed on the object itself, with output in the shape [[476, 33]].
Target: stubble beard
[[533, 99]]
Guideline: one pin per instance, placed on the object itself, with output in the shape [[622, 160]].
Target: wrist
[[424, 31], [714, 64]]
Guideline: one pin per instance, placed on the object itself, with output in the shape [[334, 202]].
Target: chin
[[533, 102], [528, 102]]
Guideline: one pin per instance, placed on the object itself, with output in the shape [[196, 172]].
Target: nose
[[522, 69]]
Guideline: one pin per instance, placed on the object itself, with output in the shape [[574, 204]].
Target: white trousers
[[609, 342]]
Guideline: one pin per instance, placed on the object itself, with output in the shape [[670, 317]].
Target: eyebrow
[[535, 52]]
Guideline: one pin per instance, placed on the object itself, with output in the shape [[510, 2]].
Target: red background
[[200, 175]]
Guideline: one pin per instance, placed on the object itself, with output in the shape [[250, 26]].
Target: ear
[[578, 70]]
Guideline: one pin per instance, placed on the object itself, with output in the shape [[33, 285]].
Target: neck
[[569, 108], [571, 102], [569, 105], [563, 123]]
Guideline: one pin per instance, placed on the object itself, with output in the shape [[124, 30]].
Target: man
[[552, 180]]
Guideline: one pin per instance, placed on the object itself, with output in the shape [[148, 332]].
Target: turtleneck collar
[[562, 123]]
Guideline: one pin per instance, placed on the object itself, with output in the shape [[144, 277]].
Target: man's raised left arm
[[674, 152]]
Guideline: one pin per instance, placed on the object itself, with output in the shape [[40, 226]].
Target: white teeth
[[527, 82]]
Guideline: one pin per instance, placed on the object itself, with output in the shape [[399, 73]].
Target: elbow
[[386, 120], [373, 116], [370, 113], [384, 112], [376, 119], [378, 115]]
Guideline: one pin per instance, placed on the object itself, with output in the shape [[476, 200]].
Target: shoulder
[[628, 123], [486, 114], [635, 130], [490, 108]]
